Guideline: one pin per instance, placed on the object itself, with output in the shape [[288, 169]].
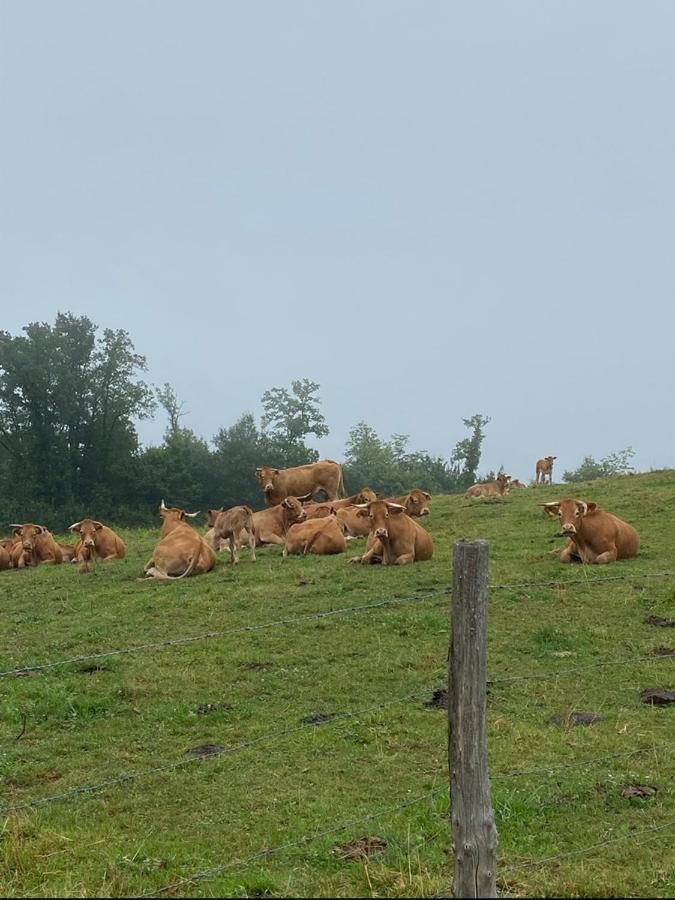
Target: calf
[[272, 524], [514, 483], [229, 525], [181, 551], [35, 545], [593, 535], [319, 535], [490, 488], [96, 541], [395, 539], [544, 467]]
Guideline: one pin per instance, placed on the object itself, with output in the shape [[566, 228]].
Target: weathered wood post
[[473, 822]]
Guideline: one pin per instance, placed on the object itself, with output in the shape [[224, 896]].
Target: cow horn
[[15, 526], [192, 515], [395, 506], [162, 505], [362, 505], [74, 525]]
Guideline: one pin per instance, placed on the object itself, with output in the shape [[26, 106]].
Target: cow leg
[[251, 543], [376, 553], [234, 549], [607, 557], [569, 553], [404, 558]]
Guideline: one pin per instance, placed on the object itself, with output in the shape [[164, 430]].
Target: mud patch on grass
[[206, 709], [361, 848], [204, 751], [439, 699], [262, 665], [318, 718], [642, 791], [658, 696], [660, 622], [662, 651], [575, 718], [91, 670]]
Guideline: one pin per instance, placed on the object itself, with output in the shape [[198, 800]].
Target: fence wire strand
[[605, 664], [300, 842]]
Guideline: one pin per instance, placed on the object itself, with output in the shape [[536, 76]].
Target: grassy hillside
[[285, 778]]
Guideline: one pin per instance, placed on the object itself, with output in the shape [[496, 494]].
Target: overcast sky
[[432, 209]]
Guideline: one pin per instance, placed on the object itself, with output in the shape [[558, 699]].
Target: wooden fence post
[[473, 822]]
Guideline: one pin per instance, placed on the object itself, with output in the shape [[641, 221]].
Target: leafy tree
[[240, 449], [290, 417], [618, 463], [68, 401], [466, 455]]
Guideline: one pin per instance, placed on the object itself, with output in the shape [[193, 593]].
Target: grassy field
[[251, 692]]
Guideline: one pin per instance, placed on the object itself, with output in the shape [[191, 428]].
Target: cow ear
[[427, 495], [75, 526], [16, 529], [552, 509], [98, 525], [276, 471], [587, 507], [362, 511], [287, 503], [39, 529]]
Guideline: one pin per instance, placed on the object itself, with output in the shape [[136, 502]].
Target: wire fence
[[89, 790]]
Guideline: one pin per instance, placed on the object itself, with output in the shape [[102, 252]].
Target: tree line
[[71, 396]]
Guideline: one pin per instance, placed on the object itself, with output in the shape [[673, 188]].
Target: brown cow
[[181, 551], [395, 538], [68, 552], [544, 468], [230, 525], [594, 535], [36, 545], [415, 502], [301, 481], [514, 483], [8, 545], [322, 536], [490, 488], [352, 524], [5, 558], [272, 524], [96, 541], [319, 510]]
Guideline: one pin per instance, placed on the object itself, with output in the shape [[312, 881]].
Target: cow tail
[[164, 576]]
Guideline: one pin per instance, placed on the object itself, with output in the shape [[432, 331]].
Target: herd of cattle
[[294, 519]]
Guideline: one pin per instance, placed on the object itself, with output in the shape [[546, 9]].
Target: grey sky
[[432, 209]]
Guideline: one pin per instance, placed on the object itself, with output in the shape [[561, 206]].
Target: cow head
[[549, 459], [416, 503], [378, 511], [293, 511], [266, 478], [365, 495], [87, 529], [174, 514], [570, 512], [28, 533], [212, 515]]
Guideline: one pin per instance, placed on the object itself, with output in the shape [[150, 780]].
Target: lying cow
[[96, 541], [514, 483], [5, 558], [319, 535], [301, 481], [395, 538], [35, 545], [593, 535], [272, 524], [544, 468], [229, 525], [490, 488], [181, 551], [67, 552], [353, 524], [415, 502]]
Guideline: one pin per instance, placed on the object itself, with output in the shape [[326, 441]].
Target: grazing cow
[[395, 538], [491, 488], [301, 481], [272, 524], [96, 541], [322, 536], [415, 502], [544, 468], [593, 535], [230, 525], [36, 545], [181, 551], [514, 483]]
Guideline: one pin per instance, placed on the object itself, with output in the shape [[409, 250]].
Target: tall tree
[[467, 452], [68, 401], [288, 418]]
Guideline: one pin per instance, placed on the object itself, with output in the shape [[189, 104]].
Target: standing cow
[[544, 469], [301, 481]]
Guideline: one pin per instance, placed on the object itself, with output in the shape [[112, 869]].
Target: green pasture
[[250, 690]]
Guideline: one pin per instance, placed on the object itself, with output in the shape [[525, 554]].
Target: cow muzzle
[[268, 487], [381, 533], [27, 547], [89, 542], [569, 529], [425, 511]]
